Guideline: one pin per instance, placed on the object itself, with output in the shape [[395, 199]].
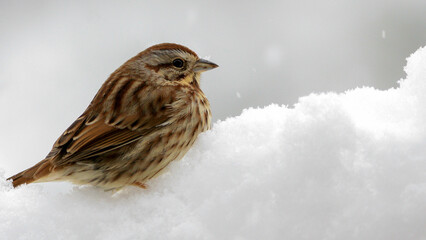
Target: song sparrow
[[147, 113]]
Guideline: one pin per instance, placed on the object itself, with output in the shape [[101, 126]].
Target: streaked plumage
[[148, 113]]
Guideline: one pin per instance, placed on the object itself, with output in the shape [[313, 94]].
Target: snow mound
[[335, 166]]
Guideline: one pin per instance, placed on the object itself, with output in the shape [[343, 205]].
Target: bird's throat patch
[[187, 79]]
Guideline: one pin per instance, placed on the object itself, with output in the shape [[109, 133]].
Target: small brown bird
[[147, 113]]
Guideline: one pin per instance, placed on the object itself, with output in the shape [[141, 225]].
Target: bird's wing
[[114, 119]]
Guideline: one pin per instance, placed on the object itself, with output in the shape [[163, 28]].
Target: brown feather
[[40, 170], [101, 136]]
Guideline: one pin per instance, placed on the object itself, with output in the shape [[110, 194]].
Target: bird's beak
[[203, 65]]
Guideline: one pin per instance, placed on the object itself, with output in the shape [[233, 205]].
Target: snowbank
[[336, 166]]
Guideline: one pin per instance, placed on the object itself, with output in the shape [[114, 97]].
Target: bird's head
[[171, 62]]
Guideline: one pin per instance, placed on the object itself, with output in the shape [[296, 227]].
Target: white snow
[[334, 166]]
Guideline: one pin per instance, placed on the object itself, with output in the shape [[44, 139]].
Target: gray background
[[55, 55]]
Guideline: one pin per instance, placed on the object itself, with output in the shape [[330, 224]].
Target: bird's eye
[[178, 63]]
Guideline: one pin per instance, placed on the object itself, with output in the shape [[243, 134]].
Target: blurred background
[[54, 55]]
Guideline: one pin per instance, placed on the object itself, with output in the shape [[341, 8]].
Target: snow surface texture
[[336, 166]]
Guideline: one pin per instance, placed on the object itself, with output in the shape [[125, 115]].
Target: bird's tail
[[34, 173]]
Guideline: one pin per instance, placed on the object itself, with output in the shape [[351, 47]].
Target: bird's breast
[[190, 115]]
